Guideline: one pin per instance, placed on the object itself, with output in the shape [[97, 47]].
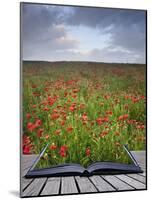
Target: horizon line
[[25, 60]]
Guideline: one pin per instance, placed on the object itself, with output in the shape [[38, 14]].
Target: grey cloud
[[43, 31], [127, 27]]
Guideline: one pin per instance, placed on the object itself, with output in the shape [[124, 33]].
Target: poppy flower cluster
[[31, 126], [63, 151]]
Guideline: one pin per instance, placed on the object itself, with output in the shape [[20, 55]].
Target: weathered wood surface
[[77, 184]]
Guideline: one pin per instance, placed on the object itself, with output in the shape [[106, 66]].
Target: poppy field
[[85, 111]]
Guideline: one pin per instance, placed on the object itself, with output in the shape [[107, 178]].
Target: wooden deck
[[75, 184]]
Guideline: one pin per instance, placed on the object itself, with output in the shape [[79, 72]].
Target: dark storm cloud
[[43, 31], [127, 27], [103, 18]]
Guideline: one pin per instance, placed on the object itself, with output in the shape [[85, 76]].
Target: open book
[[73, 169]]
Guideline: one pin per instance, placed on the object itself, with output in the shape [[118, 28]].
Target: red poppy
[[38, 123], [57, 132], [40, 132], [69, 129], [140, 126], [142, 97], [87, 151], [84, 117], [104, 133], [72, 108], [123, 117], [53, 147], [62, 123], [46, 136], [55, 116], [74, 96], [63, 150], [30, 126], [99, 121], [75, 90], [26, 150], [28, 116], [46, 109], [105, 119], [63, 153], [134, 99], [82, 106], [109, 112], [34, 106]]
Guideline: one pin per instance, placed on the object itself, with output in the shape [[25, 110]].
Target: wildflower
[[82, 106], [88, 151], [34, 106], [38, 122], [39, 132], [123, 117], [99, 121], [53, 147], [109, 112], [75, 90], [30, 126], [84, 117], [105, 119], [62, 123], [46, 136], [134, 99], [46, 109], [55, 116], [106, 96], [57, 132], [140, 126], [26, 150], [72, 108], [69, 129], [104, 133], [28, 116], [74, 96], [63, 150]]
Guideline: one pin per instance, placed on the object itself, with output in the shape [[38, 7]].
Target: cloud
[[46, 35], [43, 32], [126, 27]]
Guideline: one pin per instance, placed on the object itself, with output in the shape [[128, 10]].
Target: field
[[85, 111]]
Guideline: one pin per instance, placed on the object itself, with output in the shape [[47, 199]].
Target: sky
[[65, 33]]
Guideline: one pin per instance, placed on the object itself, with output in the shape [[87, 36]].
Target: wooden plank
[[142, 174], [52, 186], [85, 185], [34, 188], [117, 183], [27, 160], [68, 185], [26, 163], [138, 177], [101, 184], [25, 182], [131, 181], [140, 156]]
